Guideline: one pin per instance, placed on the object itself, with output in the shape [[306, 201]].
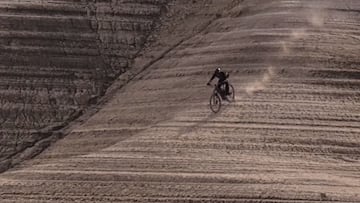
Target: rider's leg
[[220, 87], [227, 87], [219, 84]]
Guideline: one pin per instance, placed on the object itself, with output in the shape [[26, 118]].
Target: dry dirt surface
[[57, 57], [292, 135]]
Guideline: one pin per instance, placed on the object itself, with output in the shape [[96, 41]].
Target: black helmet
[[218, 69]]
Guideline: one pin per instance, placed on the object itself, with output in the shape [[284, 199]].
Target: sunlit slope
[[292, 135]]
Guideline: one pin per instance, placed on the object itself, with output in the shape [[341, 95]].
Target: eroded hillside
[[59, 56], [292, 135]]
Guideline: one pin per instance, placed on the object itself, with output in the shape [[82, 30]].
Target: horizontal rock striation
[[57, 56], [122, 28]]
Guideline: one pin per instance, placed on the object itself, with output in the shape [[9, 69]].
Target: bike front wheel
[[215, 103]]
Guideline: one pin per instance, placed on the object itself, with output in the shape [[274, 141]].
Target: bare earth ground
[[292, 135]]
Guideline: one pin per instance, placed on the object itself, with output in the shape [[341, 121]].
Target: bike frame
[[218, 90]]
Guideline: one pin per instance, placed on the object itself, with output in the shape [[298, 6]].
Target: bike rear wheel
[[215, 103]]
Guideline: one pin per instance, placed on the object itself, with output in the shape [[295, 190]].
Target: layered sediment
[[57, 57], [292, 135]]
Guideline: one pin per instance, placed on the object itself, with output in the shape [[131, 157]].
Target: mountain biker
[[222, 79]]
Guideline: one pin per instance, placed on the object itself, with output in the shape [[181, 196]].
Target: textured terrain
[[56, 57], [293, 134]]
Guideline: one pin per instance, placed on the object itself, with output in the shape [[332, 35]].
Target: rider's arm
[[212, 78]]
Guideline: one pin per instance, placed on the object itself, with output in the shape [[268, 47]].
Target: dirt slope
[[292, 135], [57, 57]]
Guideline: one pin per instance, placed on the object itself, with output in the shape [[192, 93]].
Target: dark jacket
[[222, 76]]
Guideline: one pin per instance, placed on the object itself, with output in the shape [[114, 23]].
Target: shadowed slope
[[56, 57], [291, 136]]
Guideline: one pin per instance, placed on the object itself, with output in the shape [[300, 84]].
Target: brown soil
[[292, 135]]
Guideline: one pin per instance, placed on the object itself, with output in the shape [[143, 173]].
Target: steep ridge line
[[53, 66], [50, 135]]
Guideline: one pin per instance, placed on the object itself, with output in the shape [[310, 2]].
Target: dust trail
[[285, 48], [317, 15], [285, 51], [317, 18], [298, 34], [294, 35], [261, 84]]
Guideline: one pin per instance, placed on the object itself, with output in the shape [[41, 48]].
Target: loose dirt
[[292, 135]]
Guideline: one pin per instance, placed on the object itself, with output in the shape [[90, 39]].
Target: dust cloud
[[285, 47], [298, 34], [261, 84], [316, 13], [316, 17]]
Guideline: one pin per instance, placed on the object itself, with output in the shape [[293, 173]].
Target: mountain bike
[[218, 96]]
